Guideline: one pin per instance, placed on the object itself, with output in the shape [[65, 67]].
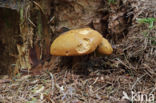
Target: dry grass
[[132, 67]]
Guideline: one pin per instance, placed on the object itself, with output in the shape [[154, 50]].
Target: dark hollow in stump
[[9, 38]]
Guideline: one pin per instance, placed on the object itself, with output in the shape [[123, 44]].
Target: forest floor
[[129, 72]]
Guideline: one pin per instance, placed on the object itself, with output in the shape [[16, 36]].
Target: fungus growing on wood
[[105, 47], [76, 42]]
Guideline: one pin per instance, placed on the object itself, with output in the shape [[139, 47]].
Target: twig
[[138, 79], [52, 18], [52, 82], [38, 7], [31, 22]]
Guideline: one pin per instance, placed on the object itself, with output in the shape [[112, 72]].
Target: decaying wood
[[42, 20]]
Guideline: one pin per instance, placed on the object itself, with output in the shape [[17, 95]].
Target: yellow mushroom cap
[[76, 42], [105, 47]]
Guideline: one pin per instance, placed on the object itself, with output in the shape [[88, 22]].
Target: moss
[[21, 15]]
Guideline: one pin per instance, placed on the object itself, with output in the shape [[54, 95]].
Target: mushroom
[[76, 42], [105, 47]]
